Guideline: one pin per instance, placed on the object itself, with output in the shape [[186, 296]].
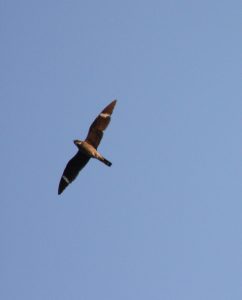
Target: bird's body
[[87, 149]]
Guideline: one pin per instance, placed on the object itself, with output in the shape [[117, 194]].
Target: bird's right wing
[[72, 169], [101, 122]]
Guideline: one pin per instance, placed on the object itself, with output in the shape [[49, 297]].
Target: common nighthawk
[[87, 149]]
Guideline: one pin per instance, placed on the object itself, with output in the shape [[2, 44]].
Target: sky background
[[165, 221]]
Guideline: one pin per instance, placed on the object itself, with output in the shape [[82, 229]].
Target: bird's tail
[[106, 162]]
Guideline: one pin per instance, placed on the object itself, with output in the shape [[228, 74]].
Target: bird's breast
[[87, 149]]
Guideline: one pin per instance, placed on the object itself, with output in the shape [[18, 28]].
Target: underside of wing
[[72, 169], [95, 133]]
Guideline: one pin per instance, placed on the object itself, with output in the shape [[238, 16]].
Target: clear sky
[[165, 221]]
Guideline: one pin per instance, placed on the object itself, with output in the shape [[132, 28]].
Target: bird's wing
[[101, 122], [72, 169]]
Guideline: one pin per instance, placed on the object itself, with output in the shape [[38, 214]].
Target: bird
[[87, 149]]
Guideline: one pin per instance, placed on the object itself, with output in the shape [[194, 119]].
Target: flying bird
[[87, 149]]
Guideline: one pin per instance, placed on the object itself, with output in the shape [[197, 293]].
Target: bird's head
[[77, 143]]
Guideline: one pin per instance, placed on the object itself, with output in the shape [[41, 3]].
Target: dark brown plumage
[[87, 149]]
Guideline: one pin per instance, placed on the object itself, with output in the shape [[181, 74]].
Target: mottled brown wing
[[95, 133], [72, 169]]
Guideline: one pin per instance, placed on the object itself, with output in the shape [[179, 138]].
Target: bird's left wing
[[72, 169], [101, 122]]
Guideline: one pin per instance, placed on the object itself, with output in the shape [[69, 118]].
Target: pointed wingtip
[[110, 107], [113, 103], [61, 187]]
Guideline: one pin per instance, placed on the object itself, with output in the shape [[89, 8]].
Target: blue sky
[[164, 222]]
